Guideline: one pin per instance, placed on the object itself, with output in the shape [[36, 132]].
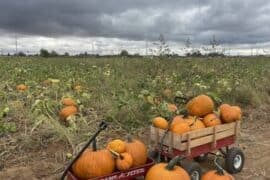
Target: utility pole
[[146, 45]]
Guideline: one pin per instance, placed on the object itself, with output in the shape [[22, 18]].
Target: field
[[125, 92]]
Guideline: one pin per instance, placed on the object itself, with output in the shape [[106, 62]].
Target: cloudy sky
[[106, 26]]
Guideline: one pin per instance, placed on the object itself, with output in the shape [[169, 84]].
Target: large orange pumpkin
[[137, 150], [180, 128], [194, 123], [176, 120], [92, 164], [211, 120], [68, 102], [117, 145], [67, 111], [160, 122], [164, 171], [21, 87], [230, 113], [200, 106]]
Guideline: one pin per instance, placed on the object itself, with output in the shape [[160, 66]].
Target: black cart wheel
[[234, 160], [193, 169], [201, 158]]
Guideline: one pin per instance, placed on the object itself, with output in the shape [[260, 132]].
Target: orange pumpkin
[[214, 175], [77, 88], [200, 106], [92, 164], [21, 87], [167, 93], [229, 113], [176, 120], [180, 128], [197, 124], [68, 102], [137, 150], [218, 174], [124, 161], [170, 171], [172, 107], [211, 120], [160, 122], [67, 111], [117, 145]]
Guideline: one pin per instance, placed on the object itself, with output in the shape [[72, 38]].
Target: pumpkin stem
[[129, 138], [219, 169], [173, 163]]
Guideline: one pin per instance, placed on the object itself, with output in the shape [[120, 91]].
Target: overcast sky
[[109, 25]]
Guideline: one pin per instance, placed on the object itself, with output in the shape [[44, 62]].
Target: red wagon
[[198, 144], [192, 145]]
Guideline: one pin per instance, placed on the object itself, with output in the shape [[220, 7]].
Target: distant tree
[[8, 54], [53, 53], [44, 53], [124, 53], [66, 54], [21, 54]]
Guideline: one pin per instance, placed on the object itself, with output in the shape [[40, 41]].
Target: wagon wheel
[[193, 169], [234, 160]]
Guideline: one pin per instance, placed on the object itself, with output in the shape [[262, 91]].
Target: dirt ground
[[46, 160]]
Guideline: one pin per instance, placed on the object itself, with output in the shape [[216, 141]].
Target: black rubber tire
[[191, 168], [230, 158], [201, 158]]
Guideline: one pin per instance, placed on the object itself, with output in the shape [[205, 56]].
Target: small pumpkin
[[124, 161], [21, 87], [68, 102], [92, 164], [167, 93], [197, 124], [170, 171], [211, 120], [218, 174], [176, 120], [229, 113], [137, 150], [77, 88], [200, 106], [117, 145], [180, 128], [172, 107], [160, 122], [67, 111]]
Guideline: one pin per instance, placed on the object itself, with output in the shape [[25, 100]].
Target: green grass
[[119, 89]]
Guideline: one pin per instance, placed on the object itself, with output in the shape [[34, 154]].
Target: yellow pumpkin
[[200, 106], [160, 122], [117, 145]]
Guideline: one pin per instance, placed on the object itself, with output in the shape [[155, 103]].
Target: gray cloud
[[232, 21]]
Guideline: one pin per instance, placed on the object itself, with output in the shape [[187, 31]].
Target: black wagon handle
[[102, 126]]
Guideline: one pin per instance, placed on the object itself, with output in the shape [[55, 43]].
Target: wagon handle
[[102, 126]]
